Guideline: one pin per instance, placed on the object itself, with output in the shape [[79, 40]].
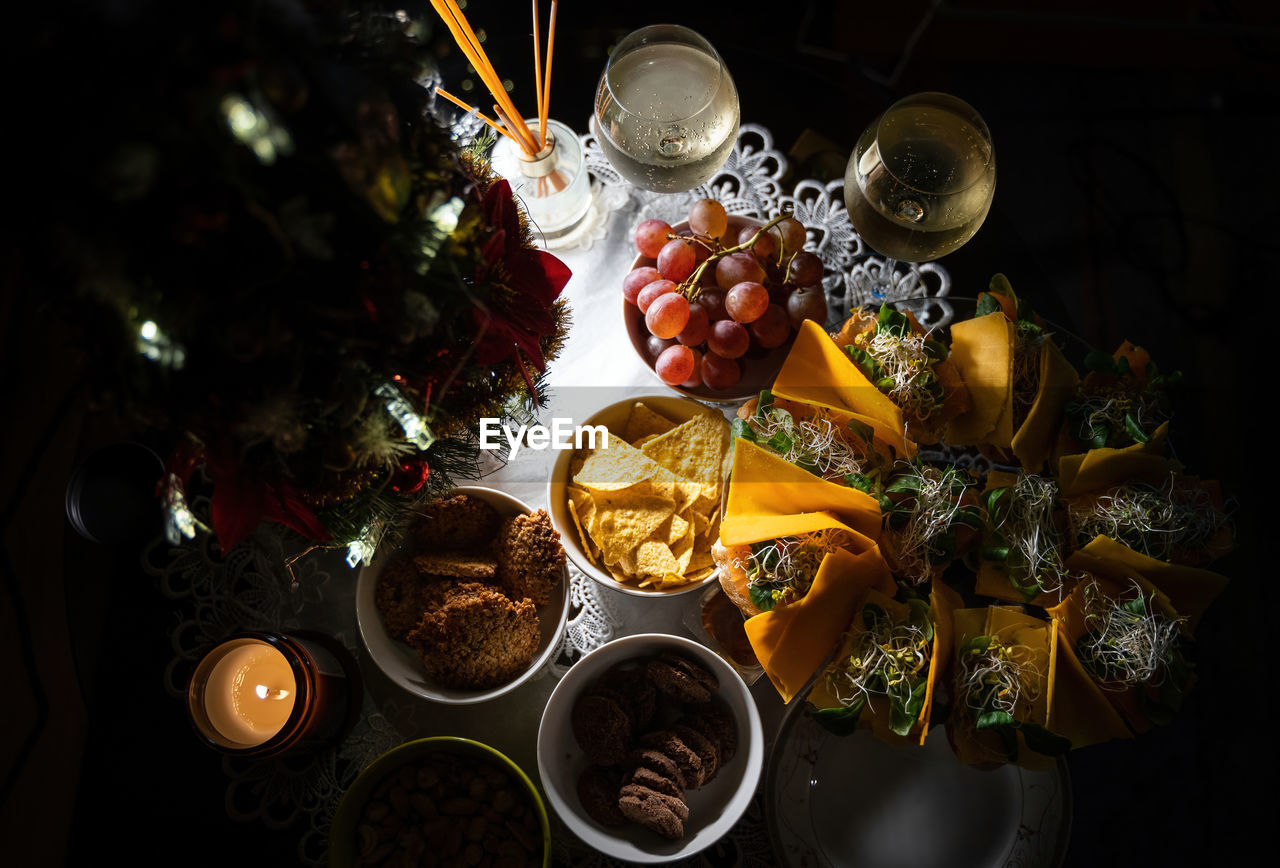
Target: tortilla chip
[[624, 523], [699, 558], [582, 508], [678, 529], [700, 574], [694, 451], [654, 558], [699, 521], [620, 465], [645, 422], [770, 498], [982, 349], [627, 563]]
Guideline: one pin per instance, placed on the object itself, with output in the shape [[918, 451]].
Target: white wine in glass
[[921, 178], [666, 112]]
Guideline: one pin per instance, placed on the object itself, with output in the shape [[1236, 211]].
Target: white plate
[[838, 802], [402, 664]]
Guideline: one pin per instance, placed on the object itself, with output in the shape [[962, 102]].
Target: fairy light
[[253, 128], [157, 346], [360, 551], [179, 521], [416, 429], [442, 216]]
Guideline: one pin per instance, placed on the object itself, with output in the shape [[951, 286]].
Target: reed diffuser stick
[[497, 128], [544, 86], [466, 39], [537, 76]]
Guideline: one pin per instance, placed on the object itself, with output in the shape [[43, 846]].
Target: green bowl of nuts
[[441, 800]]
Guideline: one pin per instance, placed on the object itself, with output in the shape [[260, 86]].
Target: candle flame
[[265, 692]]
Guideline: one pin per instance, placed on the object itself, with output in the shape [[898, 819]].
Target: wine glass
[[666, 111], [919, 182]]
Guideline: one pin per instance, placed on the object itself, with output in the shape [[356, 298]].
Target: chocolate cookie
[[655, 811], [703, 747], [685, 757], [602, 728], [656, 782], [658, 762], [598, 791], [640, 695], [680, 679], [717, 725]]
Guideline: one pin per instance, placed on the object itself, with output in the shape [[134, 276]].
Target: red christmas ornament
[[411, 476]]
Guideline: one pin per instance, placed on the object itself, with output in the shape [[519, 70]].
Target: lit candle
[[263, 694], [250, 693]]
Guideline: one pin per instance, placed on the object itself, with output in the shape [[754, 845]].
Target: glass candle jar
[[266, 694], [553, 185]]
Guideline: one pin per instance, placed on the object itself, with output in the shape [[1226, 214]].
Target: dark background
[[1136, 196]]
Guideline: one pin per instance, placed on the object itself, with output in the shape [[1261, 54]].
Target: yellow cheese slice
[[792, 642], [818, 372], [1102, 468], [982, 348], [771, 498], [1034, 440]]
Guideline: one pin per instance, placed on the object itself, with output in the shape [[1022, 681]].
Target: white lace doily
[[750, 184]]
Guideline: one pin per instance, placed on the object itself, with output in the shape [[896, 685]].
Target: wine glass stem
[[884, 280]]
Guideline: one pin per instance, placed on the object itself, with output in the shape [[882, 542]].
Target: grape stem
[[691, 286]]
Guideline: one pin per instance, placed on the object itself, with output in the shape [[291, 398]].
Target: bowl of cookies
[[650, 748], [471, 602], [459, 800], [638, 508]]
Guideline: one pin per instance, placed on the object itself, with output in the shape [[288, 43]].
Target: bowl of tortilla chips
[[638, 512]]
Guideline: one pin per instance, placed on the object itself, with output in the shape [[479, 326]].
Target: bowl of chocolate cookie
[[650, 748], [469, 602]]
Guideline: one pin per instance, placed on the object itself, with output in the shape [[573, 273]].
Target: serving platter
[[836, 801]]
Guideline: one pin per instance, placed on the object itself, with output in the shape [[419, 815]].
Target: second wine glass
[[920, 180], [666, 110]]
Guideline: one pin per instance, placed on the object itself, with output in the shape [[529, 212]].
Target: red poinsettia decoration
[[534, 279], [241, 499]]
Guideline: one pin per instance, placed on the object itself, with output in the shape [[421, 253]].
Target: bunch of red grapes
[[711, 302]]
